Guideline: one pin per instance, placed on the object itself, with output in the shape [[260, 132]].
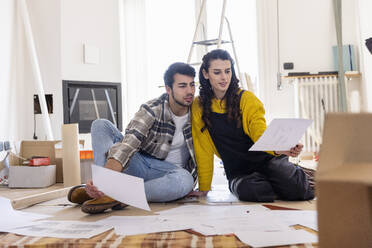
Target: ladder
[[213, 42]]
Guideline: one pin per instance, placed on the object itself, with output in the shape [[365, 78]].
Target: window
[[170, 28], [242, 17], [158, 33]]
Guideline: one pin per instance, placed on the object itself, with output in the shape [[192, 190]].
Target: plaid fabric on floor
[[110, 239]]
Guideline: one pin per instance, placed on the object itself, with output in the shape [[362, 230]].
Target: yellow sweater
[[254, 125]]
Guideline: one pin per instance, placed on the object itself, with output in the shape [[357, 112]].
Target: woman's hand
[[92, 190], [293, 152], [197, 193]]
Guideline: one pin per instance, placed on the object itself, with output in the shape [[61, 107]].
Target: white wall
[[45, 22], [16, 81], [307, 33], [365, 13], [7, 27], [60, 28], [93, 22]]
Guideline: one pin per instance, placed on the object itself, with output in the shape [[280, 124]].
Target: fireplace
[[84, 102]]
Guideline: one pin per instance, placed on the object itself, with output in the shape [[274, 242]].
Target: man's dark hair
[[180, 68]]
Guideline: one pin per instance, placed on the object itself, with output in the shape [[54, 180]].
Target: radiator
[[314, 96]]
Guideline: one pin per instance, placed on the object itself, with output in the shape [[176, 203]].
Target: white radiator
[[314, 96]]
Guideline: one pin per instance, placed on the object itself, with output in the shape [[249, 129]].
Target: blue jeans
[[163, 181]]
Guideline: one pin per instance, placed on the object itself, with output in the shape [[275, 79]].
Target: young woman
[[226, 121]]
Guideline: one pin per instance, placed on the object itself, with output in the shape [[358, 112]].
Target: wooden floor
[[61, 209], [19, 193]]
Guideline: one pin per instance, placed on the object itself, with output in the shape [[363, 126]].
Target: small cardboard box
[[33, 176], [344, 182]]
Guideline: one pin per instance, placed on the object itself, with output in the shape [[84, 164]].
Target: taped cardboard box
[[344, 181], [32, 176], [21, 176]]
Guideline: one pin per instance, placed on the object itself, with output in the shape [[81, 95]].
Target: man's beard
[[178, 102]]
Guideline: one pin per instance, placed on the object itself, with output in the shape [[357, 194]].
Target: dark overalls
[[256, 176]]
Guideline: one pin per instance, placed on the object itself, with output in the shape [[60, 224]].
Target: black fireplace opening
[[86, 101]]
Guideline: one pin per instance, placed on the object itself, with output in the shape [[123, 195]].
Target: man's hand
[[294, 152], [197, 193], [92, 190]]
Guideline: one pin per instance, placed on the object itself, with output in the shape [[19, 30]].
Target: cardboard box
[[47, 148], [33, 176], [344, 181]]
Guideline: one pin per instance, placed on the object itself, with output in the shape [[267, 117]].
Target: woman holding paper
[[226, 121]]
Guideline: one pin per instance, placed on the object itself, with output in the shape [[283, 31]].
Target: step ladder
[[213, 42]]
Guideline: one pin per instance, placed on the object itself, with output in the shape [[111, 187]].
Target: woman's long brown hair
[[206, 93]]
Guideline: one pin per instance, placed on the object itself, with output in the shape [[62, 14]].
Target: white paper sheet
[[212, 220], [62, 229], [281, 135], [133, 225], [180, 218], [265, 239], [213, 209], [306, 218], [225, 225], [10, 218], [121, 187]]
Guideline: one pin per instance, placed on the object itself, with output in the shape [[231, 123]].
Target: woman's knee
[[298, 195], [298, 190], [305, 192]]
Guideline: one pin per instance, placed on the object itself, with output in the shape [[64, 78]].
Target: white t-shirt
[[178, 153]]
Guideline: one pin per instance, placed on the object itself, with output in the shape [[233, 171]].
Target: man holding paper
[[227, 121], [157, 146]]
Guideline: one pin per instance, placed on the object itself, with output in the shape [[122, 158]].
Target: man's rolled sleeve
[[136, 132], [121, 153]]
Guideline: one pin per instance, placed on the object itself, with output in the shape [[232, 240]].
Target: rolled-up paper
[[71, 155]]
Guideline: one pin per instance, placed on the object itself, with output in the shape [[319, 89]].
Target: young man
[[157, 146]]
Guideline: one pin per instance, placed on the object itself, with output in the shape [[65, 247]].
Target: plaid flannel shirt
[[151, 131]]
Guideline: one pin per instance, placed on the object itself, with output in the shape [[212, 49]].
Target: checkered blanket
[[110, 239]]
